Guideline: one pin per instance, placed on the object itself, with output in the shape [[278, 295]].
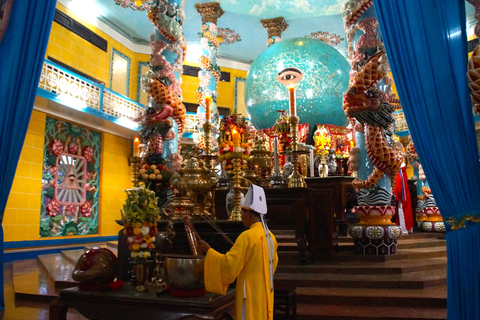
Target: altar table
[[128, 304]]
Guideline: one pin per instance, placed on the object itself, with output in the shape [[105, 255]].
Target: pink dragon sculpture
[[370, 106]]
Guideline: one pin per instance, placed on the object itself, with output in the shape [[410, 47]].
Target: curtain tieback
[[455, 224]]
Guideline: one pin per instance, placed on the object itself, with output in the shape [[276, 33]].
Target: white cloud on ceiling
[[302, 6], [295, 6], [266, 5], [335, 9]]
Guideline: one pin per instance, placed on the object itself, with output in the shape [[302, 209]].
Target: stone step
[[72, 256], [112, 245], [59, 269], [390, 267], [435, 297], [402, 254], [358, 312], [416, 280], [421, 243], [30, 280], [285, 238]]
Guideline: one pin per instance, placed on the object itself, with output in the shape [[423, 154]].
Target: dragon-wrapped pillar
[[209, 74], [371, 111], [163, 120], [427, 214]]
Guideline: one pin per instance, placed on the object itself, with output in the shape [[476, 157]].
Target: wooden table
[[128, 304]]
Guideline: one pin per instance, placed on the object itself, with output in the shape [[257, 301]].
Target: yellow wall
[[80, 54], [22, 214], [226, 90]]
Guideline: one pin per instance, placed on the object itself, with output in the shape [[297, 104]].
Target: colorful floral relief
[[70, 180], [330, 38], [228, 36]]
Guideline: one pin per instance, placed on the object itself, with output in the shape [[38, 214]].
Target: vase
[[141, 273]]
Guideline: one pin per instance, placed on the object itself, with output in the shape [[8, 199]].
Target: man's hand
[[203, 246]]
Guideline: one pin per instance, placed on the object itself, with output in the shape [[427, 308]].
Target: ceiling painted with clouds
[[241, 21]]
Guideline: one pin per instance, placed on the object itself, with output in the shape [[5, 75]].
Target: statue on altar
[[333, 145]]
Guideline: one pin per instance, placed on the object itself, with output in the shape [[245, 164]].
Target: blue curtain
[[22, 51], [427, 48]]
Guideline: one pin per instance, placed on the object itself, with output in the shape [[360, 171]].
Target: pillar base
[[375, 240]]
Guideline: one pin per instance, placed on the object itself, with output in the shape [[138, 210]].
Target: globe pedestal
[[375, 234], [434, 220]]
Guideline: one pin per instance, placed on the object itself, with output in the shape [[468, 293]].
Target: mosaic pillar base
[[375, 234], [434, 220]]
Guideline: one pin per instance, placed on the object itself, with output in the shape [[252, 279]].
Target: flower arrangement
[[139, 215], [225, 140]]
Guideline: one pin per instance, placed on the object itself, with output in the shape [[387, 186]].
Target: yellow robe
[[247, 261]]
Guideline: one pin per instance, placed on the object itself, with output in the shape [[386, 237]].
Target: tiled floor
[[21, 309]]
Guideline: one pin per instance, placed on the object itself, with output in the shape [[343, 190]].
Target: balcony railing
[[68, 88]]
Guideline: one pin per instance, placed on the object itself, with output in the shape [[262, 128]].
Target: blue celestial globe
[[323, 74]]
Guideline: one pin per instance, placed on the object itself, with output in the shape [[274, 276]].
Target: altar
[[128, 304]]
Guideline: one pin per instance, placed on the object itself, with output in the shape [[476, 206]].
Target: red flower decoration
[[70, 209], [53, 170], [72, 148], [86, 209], [53, 207], [87, 153], [56, 147]]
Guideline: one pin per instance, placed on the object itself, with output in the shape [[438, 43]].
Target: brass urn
[[261, 161], [181, 204], [197, 181]]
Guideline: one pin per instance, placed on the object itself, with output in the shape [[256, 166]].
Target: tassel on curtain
[[22, 51], [427, 49]]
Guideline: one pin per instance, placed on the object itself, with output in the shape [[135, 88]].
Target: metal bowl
[[184, 272]]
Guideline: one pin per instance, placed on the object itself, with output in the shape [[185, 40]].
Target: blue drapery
[[22, 51], [427, 49]]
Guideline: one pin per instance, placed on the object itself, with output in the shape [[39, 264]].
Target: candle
[[311, 163], [275, 155], [136, 144], [236, 140], [291, 91], [208, 100]]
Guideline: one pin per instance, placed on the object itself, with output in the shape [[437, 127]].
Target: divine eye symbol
[[289, 76]]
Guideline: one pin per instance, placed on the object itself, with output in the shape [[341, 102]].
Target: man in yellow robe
[[252, 260]]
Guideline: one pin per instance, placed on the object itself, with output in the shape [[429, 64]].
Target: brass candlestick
[[209, 157], [323, 164], [236, 214], [135, 161], [295, 180]]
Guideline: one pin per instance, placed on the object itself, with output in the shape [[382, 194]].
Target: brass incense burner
[[198, 183], [261, 162], [193, 184]]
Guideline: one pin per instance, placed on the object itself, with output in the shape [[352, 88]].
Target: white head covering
[[257, 201]]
